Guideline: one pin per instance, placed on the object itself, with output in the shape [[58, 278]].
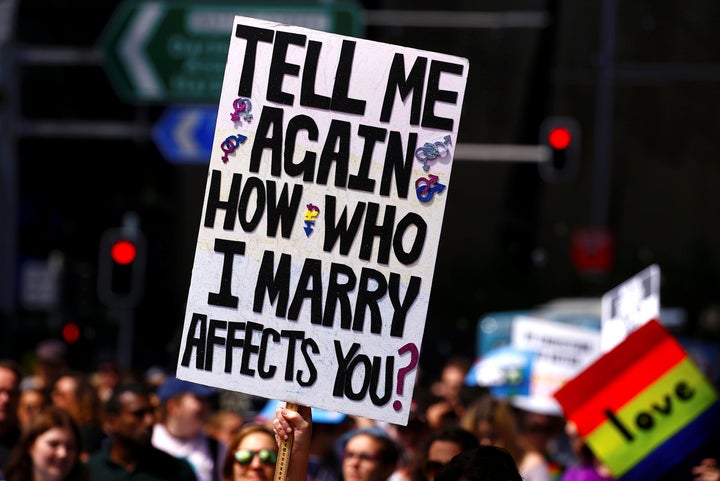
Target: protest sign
[[629, 305], [562, 352], [322, 215], [643, 406]]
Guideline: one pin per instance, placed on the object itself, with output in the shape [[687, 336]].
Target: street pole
[[604, 99], [120, 290], [125, 319], [8, 170]]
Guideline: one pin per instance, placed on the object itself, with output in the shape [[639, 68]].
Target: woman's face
[[31, 402], [53, 454], [63, 393], [486, 433], [361, 460], [255, 470]]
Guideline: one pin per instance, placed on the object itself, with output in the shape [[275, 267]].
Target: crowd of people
[[61, 424]]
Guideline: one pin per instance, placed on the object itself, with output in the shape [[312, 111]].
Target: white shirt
[[195, 450]]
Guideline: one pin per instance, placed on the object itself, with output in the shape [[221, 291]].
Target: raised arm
[[297, 427]]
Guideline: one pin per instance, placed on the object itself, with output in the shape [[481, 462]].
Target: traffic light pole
[[602, 164], [125, 318], [121, 272], [9, 107]]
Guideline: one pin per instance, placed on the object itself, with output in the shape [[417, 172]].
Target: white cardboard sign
[[629, 306], [322, 215], [563, 351]]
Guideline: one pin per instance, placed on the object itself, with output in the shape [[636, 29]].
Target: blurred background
[[91, 142]]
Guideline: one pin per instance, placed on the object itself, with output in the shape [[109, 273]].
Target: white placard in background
[[563, 352], [629, 306]]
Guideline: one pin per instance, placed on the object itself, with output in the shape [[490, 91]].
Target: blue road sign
[[184, 134]]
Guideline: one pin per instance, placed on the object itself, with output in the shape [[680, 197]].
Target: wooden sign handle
[[283, 460]]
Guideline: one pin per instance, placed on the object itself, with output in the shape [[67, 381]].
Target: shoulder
[[158, 455], [99, 456], [100, 465], [534, 467], [162, 439], [532, 460], [181, 469]]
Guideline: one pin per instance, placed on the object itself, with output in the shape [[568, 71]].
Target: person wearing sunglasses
[[128, 422], [251, 455]]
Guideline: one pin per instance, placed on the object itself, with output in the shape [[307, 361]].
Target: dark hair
[[87, 407], [13, 366], [464, 439], [484, 463], [19, 466], [389, 448], [113, 406]]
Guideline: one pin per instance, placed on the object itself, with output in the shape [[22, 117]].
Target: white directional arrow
[[184, 134], [132, 52]]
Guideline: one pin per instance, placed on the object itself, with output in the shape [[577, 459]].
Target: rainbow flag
[[643, 406]]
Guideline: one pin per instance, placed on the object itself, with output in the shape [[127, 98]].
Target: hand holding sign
[[293, 432]]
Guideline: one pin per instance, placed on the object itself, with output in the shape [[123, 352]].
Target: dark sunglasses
[[141, 413], [266, 456]]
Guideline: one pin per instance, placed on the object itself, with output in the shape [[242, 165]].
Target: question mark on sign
[[402, 372]]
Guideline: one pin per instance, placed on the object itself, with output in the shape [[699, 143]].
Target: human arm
[[295, 426]]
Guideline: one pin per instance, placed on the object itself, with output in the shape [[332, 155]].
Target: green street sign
[[175, 51]]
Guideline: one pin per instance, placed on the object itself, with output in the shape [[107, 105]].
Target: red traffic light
[[123, 252], [121, 267], [71, 333], [559, 138]]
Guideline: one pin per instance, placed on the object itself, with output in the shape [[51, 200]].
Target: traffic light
[[561, 137], [71, 333], [121, 267]]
